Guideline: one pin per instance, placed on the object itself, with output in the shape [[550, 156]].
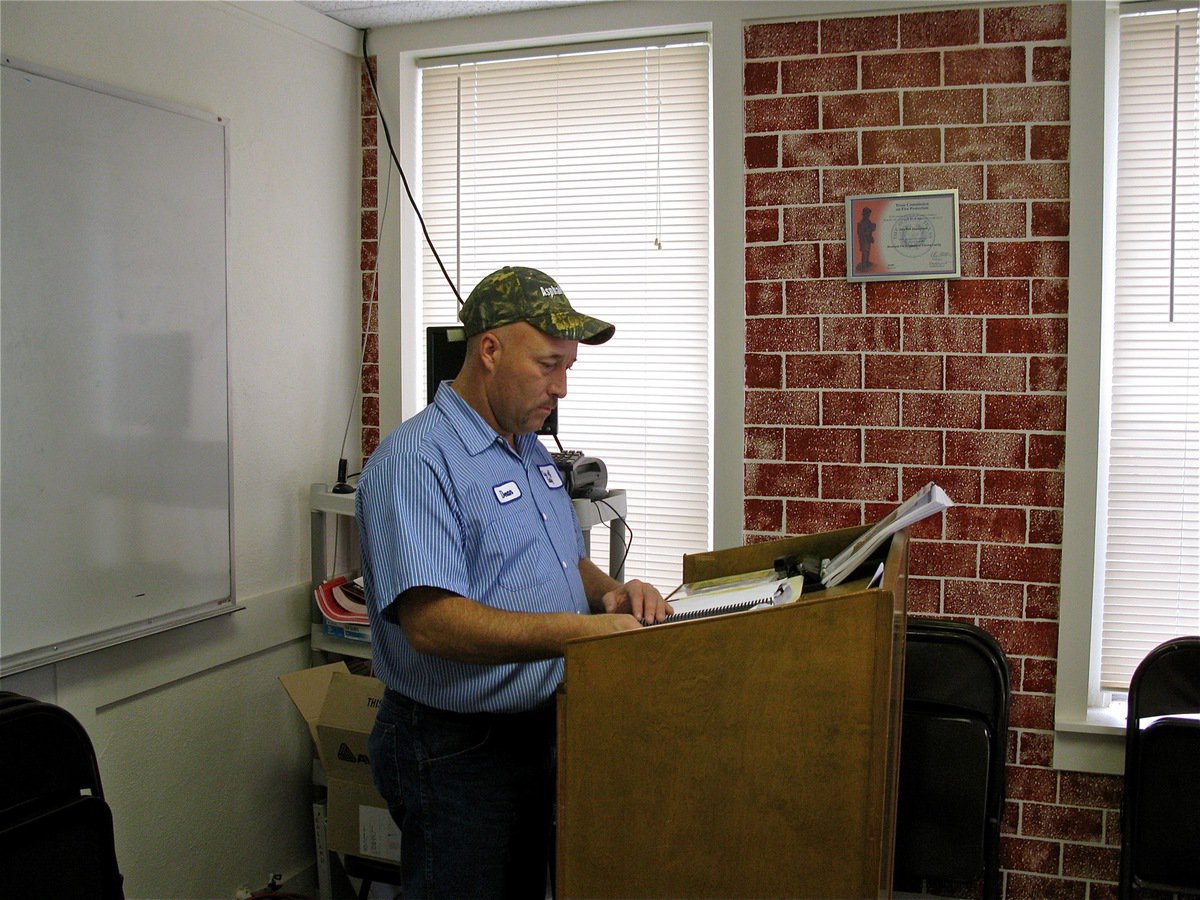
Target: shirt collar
[[476, 434]]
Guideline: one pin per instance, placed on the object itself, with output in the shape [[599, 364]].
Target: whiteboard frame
[[57, 651]]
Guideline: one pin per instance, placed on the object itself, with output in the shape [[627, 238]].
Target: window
[[1151, 577], [593, 164], [1130, 510]]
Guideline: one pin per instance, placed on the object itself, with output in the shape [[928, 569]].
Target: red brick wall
[[857, 395], [368, 263]]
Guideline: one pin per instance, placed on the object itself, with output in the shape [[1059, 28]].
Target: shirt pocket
[[516, 551]]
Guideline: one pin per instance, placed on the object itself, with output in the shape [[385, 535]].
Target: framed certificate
[[897, 236]]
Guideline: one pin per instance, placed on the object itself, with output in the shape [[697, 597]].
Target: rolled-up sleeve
[[409, 529]]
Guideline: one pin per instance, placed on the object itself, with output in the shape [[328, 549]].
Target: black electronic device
[[565, 459], [445, 350], [585, 477], [342, 487]]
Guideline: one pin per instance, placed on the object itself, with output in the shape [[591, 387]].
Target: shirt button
[[543, 517], [564, 563]]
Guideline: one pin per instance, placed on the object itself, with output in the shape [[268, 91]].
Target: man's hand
[[638, 599]]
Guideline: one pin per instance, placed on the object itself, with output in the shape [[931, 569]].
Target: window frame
[[1089, 733], [675, 513]]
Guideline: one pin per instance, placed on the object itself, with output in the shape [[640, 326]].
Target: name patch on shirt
[[551, 476], [507, 492]]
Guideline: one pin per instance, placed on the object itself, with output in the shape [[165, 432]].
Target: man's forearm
[[596, 583], [461, 629]]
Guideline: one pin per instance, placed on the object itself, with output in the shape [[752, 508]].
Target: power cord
[[624, 524], [387, 133], [342, 486], [271, 892]]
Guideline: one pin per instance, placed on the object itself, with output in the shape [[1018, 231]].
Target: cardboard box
[[359, 822], [340, 709]]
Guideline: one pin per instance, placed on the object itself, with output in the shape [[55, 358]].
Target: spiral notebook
[[723, 596]]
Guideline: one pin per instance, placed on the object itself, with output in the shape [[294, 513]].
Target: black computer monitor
[[445, 350]]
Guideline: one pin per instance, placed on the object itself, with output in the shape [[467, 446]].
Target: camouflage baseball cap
[[519, 294]]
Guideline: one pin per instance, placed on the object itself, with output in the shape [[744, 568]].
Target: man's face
[[530, 376]]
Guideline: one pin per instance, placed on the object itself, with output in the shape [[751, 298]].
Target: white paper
[[378, 834], [752, 593], [928, 501]]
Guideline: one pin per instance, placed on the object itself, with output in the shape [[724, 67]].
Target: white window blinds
[[1151, 575], [594, 167]]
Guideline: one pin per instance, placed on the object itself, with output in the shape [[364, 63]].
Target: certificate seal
[[912, 235]]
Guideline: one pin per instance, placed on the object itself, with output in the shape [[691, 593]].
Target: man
[[476, 578], [866, 237]]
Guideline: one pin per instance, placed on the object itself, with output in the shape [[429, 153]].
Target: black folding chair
[[1160, 813], [56, 830], [952, 756]]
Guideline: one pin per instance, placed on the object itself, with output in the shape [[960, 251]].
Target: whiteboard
[[114, 445]]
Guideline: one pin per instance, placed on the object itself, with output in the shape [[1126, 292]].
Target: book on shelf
[[737, 593], [348, 632], [352, 595], [342, 601], [928, 501]]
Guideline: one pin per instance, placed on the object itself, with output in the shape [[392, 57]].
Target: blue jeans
[[473, 795]]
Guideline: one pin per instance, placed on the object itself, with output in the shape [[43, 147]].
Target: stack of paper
[[928, 501]]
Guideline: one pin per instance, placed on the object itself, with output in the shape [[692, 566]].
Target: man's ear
[[489, 350]]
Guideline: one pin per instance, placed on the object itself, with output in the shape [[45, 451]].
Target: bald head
[[514, 376]]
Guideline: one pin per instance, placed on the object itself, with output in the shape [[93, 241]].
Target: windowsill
[[1100, 720], [1093, 744]]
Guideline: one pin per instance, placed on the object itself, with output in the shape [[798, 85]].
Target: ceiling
[[379, 13]]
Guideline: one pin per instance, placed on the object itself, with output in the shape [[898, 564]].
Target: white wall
[[205, 763]]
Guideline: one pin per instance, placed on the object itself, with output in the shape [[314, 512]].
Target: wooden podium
[[746, 755]]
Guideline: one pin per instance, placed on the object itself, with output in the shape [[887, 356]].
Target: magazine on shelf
[[342, 601], [739, 593], [928, 501]]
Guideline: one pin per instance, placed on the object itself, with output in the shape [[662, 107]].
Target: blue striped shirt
[[444, 502]]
